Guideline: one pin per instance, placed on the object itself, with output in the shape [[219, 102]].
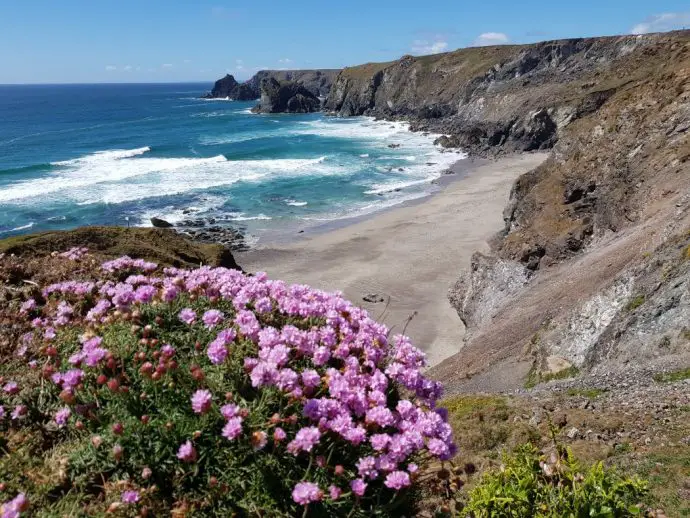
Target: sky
[[98, 41]]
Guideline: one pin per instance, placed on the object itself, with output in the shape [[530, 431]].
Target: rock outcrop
[[228, 88], [285, 97], [317, 82]]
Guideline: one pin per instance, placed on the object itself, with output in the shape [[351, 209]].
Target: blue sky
[[67, 41]]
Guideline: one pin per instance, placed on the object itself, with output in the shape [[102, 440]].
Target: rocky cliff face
[[285, 97], [228, 87], [593, 267], [317, 82], [503, 98]]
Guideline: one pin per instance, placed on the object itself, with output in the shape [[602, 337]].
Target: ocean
[[73, 155]]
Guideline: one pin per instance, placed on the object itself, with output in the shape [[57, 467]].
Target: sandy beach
[[409, 256]]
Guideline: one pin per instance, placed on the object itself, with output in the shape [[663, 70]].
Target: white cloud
[[166, 65], [662, 22], [110, 68], [239, 64], [491, 38], [285, 61], [187, 61], [127, 68], [428, 47]]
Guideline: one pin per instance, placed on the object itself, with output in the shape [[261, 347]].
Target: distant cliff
[[317, 82], [501, 98], [285, 97]]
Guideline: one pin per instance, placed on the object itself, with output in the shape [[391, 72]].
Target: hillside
[[592, 267]]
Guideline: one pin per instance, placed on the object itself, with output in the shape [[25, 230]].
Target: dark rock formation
[[285, 97], [317, 82], [160, 223], [228, 87]]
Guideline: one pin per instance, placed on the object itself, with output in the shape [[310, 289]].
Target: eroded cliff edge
[[593, 267]]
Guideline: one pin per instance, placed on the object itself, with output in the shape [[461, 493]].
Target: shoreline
[[405, 256], [293, 232]]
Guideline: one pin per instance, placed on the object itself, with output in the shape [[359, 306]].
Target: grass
[[534, 378], [635, 303], [670, 377], [484, 425], [163, 246], [590, 393], [668, 471]]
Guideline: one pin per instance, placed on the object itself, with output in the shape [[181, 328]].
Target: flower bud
[[117, 452]]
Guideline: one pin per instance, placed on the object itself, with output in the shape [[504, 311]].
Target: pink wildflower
[[201, 401], [306, 492], [187, 453]]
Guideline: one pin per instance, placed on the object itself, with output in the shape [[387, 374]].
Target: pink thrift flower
[[306, 492], [201, 401], [279, 434], [130, 497], [230, 410], [397, 480], [358, 486], [187, 453], [305, 440], [14, 507], [62, 416], [232, 429], [19, 412], [187, 315], [217, 352], [11, 387], [334, 492], [212, 318]]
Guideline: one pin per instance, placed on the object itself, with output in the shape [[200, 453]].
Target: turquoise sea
[[74, 155]]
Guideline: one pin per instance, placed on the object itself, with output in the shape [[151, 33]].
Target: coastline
[[407, 255]]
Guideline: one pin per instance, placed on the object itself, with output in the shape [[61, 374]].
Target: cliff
[[317, 82], [501, 98], [591, 272]]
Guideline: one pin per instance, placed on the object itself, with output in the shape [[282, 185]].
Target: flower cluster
[[338, 380]]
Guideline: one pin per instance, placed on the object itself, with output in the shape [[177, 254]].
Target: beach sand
[[409, 255]]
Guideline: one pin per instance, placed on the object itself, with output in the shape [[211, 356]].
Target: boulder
[[160, 223]]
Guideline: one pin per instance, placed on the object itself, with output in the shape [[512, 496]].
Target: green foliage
[[530, 485], [590, 393], [670, 377], [635, 303], [75, 471], [534, 378]]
